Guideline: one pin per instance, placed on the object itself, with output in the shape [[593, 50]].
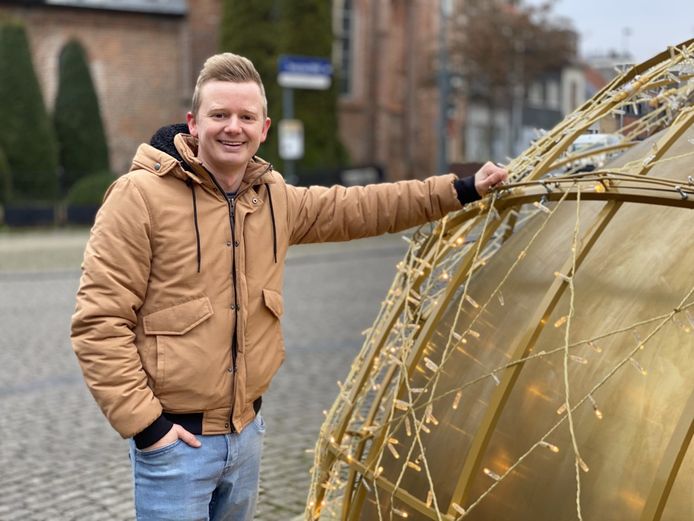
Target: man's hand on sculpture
[[489, 176]]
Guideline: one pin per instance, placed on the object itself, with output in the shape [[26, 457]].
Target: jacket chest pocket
[[180, 343]]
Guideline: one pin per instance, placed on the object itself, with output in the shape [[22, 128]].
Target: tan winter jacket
[[167, 282]]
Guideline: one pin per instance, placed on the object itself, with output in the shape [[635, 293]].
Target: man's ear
[[192, 125], [266, 127]]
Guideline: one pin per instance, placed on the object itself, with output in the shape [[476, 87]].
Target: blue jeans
[[215, 482]]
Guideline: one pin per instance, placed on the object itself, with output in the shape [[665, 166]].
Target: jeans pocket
[[159, 450], [259, 423]]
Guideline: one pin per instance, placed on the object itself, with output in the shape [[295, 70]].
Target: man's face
[[230, 125]]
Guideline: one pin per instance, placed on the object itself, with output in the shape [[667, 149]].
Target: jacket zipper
[[231, 204], [231, 200]]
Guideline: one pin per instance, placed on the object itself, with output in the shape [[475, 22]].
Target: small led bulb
[[551, 447], [456, 400], [393, 451], [492, 474], [431, 365], [595, 347], [414, 466], [472, 301], [401, 405], [430, 498]]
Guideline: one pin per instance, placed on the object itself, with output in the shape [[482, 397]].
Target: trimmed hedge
[[5, 178], [77, 119], [90, 190], [27, 137]]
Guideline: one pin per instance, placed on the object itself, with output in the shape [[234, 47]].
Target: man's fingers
[[496, 177], [187, 437]]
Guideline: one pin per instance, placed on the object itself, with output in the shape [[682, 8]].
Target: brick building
[[145, 55], [386, 53]]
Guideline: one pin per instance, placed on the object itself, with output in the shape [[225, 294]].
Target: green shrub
[[5, 179], [27, 137], [90, 190], [249, 29], [306, 29], [77, 120]]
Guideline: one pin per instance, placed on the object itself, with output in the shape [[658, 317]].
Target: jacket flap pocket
[[179, 319], [273, 301]]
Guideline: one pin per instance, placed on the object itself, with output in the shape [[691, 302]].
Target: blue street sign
[[304, 72]]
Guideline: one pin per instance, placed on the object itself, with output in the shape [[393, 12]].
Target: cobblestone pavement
[[60, 460]]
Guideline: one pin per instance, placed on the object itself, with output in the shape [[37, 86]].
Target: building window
[[345, 42]]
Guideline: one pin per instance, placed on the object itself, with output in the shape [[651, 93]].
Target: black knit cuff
[[153, 433], [465, 188]]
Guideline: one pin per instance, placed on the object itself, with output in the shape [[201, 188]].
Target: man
[[177, 324]]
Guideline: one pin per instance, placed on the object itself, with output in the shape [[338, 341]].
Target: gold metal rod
[[670, 464]]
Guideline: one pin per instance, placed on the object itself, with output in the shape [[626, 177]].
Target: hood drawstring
[[191, 185], [272, 216]]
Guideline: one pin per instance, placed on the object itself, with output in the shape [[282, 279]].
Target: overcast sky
[[652, 24]]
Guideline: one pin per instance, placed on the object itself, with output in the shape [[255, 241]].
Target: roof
[[168, 7]]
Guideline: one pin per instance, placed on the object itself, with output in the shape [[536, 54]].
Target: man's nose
[[232, 125]]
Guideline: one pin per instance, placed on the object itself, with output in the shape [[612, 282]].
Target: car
[[586, 142]]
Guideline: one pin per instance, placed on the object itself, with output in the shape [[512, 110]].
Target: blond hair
[[227, 66]]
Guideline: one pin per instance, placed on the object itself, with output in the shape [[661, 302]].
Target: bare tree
[[500, 47]]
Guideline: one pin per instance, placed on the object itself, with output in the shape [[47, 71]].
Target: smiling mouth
[[232, 144]]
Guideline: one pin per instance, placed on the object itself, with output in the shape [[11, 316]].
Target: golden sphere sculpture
[[534, 357]]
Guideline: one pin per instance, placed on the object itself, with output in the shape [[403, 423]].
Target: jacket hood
[[172, 146], [163, 139]]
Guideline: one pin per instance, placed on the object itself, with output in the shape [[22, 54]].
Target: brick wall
[[389, 118], [203, 23], [138, 65]]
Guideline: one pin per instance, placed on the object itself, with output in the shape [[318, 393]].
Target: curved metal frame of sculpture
[[386, 406]]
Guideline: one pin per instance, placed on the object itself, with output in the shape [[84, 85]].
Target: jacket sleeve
[[112, 288], [338, 213]]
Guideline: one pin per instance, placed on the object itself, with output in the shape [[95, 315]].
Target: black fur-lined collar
[[163, 139]]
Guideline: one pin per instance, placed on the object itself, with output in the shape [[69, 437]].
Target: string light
[[393, 450], [472, 301], [393, 344], [549, 446], [456, 400], [595, 347], [414, 466], [596, 409], [430, 364], [492, 474], [561, 321], [637, 366]]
